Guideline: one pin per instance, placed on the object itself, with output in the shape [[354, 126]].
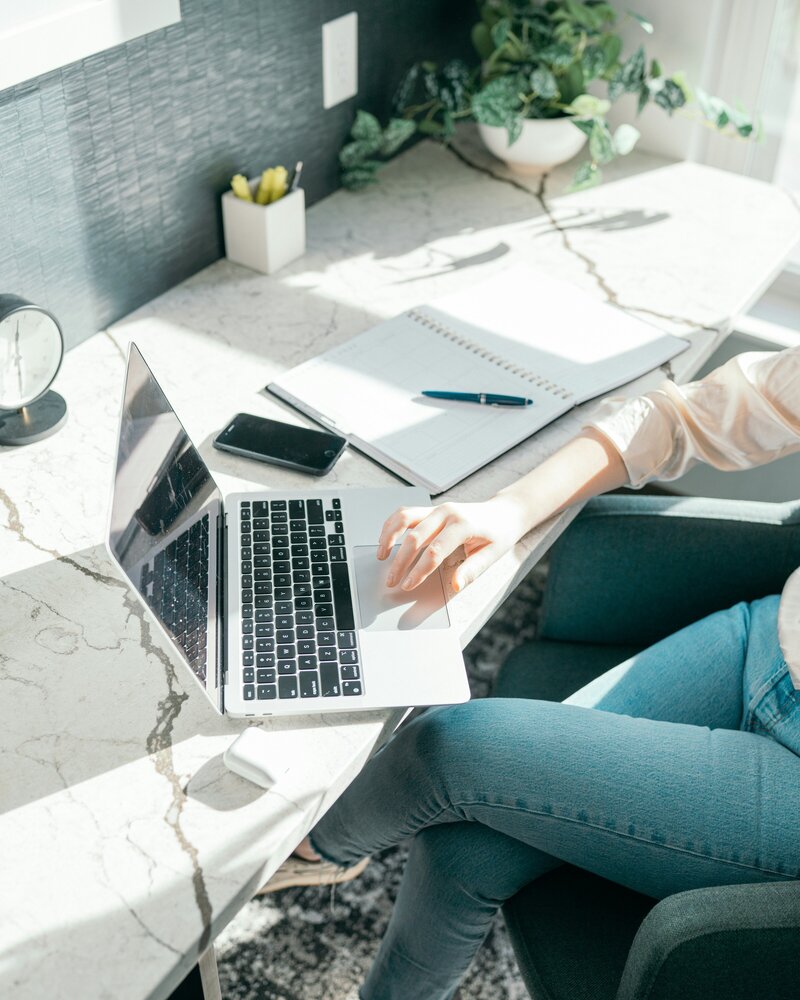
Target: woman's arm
[[588, 465], [743, 414]]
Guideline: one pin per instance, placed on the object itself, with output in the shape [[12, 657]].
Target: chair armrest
[[632, 569], [740, 942]]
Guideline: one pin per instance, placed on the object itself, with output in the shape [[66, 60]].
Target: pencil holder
[[264, 237]]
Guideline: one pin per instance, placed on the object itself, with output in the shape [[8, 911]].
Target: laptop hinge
[[222, 670]]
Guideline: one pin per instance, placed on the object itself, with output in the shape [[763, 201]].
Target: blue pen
[[484, 398]]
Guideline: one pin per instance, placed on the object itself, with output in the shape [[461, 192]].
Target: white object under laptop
[[275, 601]]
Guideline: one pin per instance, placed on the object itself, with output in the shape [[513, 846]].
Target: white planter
[[543, 144], [264, 237]]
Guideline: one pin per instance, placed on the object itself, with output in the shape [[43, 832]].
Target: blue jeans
[[676, 770]]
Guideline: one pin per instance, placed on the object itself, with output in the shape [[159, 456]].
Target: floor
[[307, 944]]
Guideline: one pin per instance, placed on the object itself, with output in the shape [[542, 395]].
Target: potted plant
[[529, 94]]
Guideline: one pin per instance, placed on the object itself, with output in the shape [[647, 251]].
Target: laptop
[[274, 600]]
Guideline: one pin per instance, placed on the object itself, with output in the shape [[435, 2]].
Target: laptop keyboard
[[298, 628], [176, 588]]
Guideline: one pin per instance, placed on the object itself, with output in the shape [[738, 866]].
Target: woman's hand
[[486, 530]]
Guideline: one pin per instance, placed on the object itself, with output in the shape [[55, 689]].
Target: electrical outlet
[[339, 60]]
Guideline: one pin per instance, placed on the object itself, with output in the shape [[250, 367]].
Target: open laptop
[[275, 600]]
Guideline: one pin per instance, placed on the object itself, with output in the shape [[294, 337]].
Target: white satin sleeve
[[743, 414]]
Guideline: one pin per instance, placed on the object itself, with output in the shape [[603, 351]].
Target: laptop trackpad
[[385, 609]]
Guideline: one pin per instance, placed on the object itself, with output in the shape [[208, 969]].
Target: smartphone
[[280, 444]]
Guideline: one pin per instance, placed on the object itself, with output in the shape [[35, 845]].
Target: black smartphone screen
[[285, 444]]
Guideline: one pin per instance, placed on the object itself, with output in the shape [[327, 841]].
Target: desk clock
[[31, 350]]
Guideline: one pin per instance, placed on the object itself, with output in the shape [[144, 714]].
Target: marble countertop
[[127, 846]]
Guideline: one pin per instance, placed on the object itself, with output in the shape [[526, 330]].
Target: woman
[[675, 770]]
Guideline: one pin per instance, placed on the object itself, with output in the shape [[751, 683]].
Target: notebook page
[[369, 387], [555, 331]]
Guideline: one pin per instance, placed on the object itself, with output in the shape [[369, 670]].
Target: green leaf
[[397, 132], [359, 177], [500, 30], [669, 96], [558, 56], [644, 97], [655, 68], [584, 124], [543, 83], [405, 89], [625, 138], [611, 46], [593, 61], [583, 15], [514, 129], [367, 129], [429, 126], [588, 106], [482, 40], [586, 176], [571, 84], [499, 101], [643, 22], [356, 153], [601, 145]]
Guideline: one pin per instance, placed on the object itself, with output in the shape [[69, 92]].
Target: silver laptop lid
[[165, 524]]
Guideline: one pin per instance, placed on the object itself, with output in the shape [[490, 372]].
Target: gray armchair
[[577, 936]]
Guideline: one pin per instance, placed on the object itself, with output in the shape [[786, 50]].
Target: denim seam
[[627, 836]]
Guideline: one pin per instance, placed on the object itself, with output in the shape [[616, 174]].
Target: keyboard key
[[319, 556], [249, 692], [285, 635], [261, 537], [282, 554], [263, 587], [322, 582], [342, 597], [266, 692], [325, 624], [265, 645], [302, 576], [298, 538], [297, 526], [263, 563], [339, 527], [265, 660], [265, 630], [263, 575], [303, 603], [247, 581], [247, 642], [264, 615], [287, 687], [302, 590], [306, 618], [280, 532], [279, 505], [327, 653], [286, 652], [261, 508], [281, 567], [307, 662], [261, 549], [279, 516], [335, 539], [306, 646], [337, 554], [318, 543], [297, 509], [282, 580], [247, 611], [306, 632], [248, 675], [287, 667], [247, 628], [326, 639], [351, 687], [315, 513], [263, 601], [309, 685], [349, 672], [319, 569], [348, 656], [323, 597], [329, 680], [264, 676], [261, 524], [283, 594], [284, 607], [346, 640], [300, 550], [336, 504], [316, 530], [323, 610]]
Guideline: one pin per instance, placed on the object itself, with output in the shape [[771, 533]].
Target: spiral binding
[[538, 380]]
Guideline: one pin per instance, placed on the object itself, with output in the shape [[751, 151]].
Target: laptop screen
[[164, 521]]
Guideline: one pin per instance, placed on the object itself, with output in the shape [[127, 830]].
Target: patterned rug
[[302, 944]]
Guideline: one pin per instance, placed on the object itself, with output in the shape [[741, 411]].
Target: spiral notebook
[[517, 333]]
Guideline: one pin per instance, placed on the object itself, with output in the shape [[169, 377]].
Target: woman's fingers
[[396, 524], [473, 566], [415, 540], [440, 547]]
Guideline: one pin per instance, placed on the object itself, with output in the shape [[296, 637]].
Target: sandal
[[297, 871]]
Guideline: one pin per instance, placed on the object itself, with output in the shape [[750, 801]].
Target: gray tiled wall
[[111, 169]]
